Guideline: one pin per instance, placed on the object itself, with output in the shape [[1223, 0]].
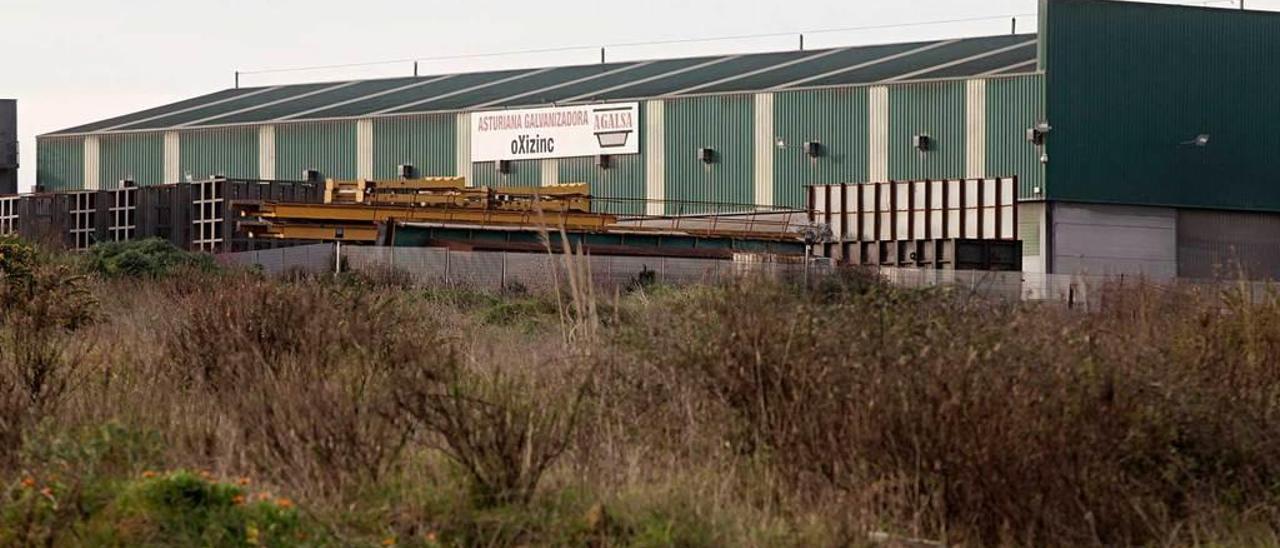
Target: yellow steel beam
[[426, 183], [346, 233], [363, 213]]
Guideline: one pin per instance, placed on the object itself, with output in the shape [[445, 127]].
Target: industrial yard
[[1013, 285]]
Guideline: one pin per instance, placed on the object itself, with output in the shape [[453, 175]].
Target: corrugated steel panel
[[162, 110], [1127, 101], [655, 157], [840, 120], [246, 101], [722, 123], [136, 156], [427, 142], [328, 147], [934, 109], [1100, 239], [231, 152], [1015, 104], [975, 138], [526, 173], [524, 85], [624, 180], [60, 163], [764, 141], [1228, 244], [429, 89]]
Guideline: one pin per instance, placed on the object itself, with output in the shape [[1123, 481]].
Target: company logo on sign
[[558, 132]]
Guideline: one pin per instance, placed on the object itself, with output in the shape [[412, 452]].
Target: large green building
[[1140, 133]]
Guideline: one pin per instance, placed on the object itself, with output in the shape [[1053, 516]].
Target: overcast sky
[[74, 61]]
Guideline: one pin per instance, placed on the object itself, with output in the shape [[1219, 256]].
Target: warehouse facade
[[1138, 132]]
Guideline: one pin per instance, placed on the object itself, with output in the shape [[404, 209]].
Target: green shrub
[[149, 258]]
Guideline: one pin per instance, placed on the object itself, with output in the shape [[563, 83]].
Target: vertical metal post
[[1013, 26], [447, 252], [237, 79], [415, 69], [601, 56], [337, 257], [801, 42], [503, 287]]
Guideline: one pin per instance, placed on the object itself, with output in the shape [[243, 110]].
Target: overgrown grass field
[[149, 398]]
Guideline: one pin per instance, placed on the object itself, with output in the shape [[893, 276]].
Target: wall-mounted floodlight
[[405, 171], [707, 155], [504, 166], [813, 149], [921, 142], [1201, 140]]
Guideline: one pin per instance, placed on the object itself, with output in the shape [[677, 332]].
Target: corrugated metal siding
[[723, 123], [624, 181], [426, 142], [60, 163], [839, 119], [232, 152], [1014, 105], [328, 147], [137, 156], [1129, 83], [523, 173], [1228, 244], [934, 109]]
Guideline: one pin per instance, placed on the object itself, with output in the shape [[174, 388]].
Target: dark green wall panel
[[1014, 105], [1131, 85], [839, 119], [426, 142], [523, 173], [136, 156], [231, 152], [723, 123], [935, 109], [60, 163], [329, 147]]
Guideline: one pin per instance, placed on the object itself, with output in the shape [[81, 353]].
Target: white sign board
[[556, 132]]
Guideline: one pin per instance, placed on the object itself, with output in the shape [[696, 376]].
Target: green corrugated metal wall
[[328, 147], [231, 152], [60, 163], [723, 123], [425, 142], [136, 156], [1131, 85], [1014, 105], [936, 109], [523, 173], [839, 119], [624, 180]]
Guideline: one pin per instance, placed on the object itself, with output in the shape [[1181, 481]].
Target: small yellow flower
[[389, 541], [284, 502], [148, 474]]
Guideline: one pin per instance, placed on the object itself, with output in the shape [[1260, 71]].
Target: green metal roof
[[862, 65]]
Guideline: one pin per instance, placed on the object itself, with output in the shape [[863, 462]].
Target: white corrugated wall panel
[[765, 141], [364, 149], [975, 141], [267, 152], [462, 136], [91, 163], [878, 155], [655, 158], [172, 157]]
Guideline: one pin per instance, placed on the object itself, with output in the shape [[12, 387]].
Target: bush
[[148, 258]]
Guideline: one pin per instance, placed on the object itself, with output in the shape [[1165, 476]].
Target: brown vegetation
[[759, 413]]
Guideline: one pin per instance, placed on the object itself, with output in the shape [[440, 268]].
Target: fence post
[[337, 257], [447, 252], [503, 286]]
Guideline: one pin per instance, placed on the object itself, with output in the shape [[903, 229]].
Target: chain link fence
[[491, 270]]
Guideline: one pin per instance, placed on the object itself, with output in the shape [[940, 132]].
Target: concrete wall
[[1095, 239]]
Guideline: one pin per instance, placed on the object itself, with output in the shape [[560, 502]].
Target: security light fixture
[[921, 142], [405, 171], [813, 149], [1035, 134], [504, 166], [310, 175], [603, 161], [1201, 140], [127, 183], [707, 155]]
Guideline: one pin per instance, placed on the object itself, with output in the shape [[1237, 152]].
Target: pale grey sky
[[75, 61]]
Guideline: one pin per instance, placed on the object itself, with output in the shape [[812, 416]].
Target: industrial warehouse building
[[8, 146], [1142, 136]]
